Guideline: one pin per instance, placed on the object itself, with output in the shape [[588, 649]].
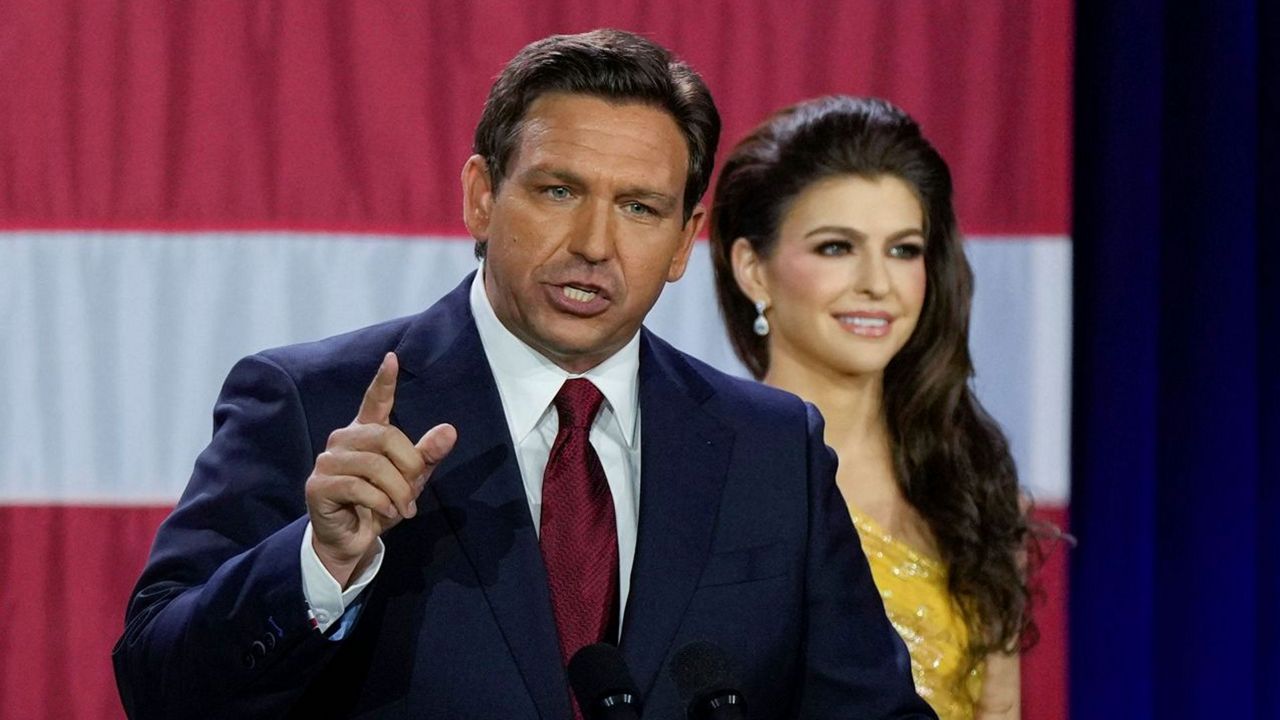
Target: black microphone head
[[702, 673], [601, 681]]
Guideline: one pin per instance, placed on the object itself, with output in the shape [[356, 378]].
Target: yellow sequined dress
[[914, 590]]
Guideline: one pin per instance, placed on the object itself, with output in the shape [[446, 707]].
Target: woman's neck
[[852, 405], [856, 428]]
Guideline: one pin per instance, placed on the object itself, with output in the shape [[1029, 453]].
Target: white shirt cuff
[[323, 593]]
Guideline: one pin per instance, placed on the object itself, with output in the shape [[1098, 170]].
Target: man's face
[[586, 227]]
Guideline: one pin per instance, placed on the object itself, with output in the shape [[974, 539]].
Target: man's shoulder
[[352, 351]]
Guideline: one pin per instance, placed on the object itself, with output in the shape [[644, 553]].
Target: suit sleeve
[[217, 625], [855, 663]]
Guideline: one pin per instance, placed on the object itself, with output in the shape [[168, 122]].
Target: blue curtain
[[1269, 392], [1175, 604]]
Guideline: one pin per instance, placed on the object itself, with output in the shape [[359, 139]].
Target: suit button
[[259, 650], [248, 660]]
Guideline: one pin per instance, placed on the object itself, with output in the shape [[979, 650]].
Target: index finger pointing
[[381, 395]]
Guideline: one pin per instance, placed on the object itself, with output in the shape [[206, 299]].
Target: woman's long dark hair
[[952, 462]]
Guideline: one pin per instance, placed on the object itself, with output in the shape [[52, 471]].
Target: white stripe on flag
[[1020, 336], [114, 344]]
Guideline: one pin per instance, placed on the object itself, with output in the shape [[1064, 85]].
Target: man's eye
[[558, 192], [638, 208]]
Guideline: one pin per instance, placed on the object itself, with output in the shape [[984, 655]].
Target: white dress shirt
[[527, 384]]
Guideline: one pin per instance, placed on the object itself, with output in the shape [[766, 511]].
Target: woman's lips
[[866, 324]]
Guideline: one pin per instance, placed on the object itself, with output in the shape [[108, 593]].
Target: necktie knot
[[577, 403]]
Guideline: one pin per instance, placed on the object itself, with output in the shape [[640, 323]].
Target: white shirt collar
[[528, 382]]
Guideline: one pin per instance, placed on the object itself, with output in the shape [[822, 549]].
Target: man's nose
[[593, 235]]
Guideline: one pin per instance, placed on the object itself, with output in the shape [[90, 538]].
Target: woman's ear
[[748, 270]]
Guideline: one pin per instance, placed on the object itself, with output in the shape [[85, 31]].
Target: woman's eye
[[906, 251], [835, 248]]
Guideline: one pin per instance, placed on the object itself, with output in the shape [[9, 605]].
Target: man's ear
[[748, 270], [680, 261], [477, 197]]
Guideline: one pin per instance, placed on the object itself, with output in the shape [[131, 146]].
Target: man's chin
[[577, 352]]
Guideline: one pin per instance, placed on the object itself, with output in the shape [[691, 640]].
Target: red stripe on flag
[[65, 577], [66, 573], [1044, 667], [351, 115]]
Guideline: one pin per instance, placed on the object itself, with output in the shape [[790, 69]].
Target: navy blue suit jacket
[[743, 540]]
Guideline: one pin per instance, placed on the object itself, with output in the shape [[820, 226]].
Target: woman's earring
[[761, 325]]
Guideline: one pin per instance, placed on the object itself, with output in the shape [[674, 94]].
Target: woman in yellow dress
[[841, 278]]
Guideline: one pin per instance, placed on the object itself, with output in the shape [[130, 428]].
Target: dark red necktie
[[579, 534]]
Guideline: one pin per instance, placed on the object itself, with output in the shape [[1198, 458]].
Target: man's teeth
[[865, 321], [577, 295]]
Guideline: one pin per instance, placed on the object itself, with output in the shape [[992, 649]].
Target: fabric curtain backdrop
[[1176, 581], [184, 183]]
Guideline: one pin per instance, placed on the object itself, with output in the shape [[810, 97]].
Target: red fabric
[[65, 577], [579, 531], [1044, 667], [348, 115]]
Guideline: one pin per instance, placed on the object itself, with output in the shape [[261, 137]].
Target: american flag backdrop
[[184, 183]]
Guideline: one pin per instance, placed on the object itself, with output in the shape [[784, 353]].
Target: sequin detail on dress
[[914, 590]]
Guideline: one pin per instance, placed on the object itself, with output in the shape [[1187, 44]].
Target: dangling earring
[[761, 325]]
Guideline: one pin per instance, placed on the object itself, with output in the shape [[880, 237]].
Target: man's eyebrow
[[567, 177]]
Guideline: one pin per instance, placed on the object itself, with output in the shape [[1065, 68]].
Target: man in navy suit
[[528, 470]]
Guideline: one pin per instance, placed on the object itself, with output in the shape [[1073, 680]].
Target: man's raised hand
[[369, 477]]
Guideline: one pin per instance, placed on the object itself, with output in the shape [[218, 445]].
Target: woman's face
[[846, 280]]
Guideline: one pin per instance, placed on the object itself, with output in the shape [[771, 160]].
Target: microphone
[[603, 685], [706, 683]]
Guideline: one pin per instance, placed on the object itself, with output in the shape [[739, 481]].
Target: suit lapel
[[684, 458], [480, 489]]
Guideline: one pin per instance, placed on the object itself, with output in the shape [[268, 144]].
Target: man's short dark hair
[[608, 64]]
